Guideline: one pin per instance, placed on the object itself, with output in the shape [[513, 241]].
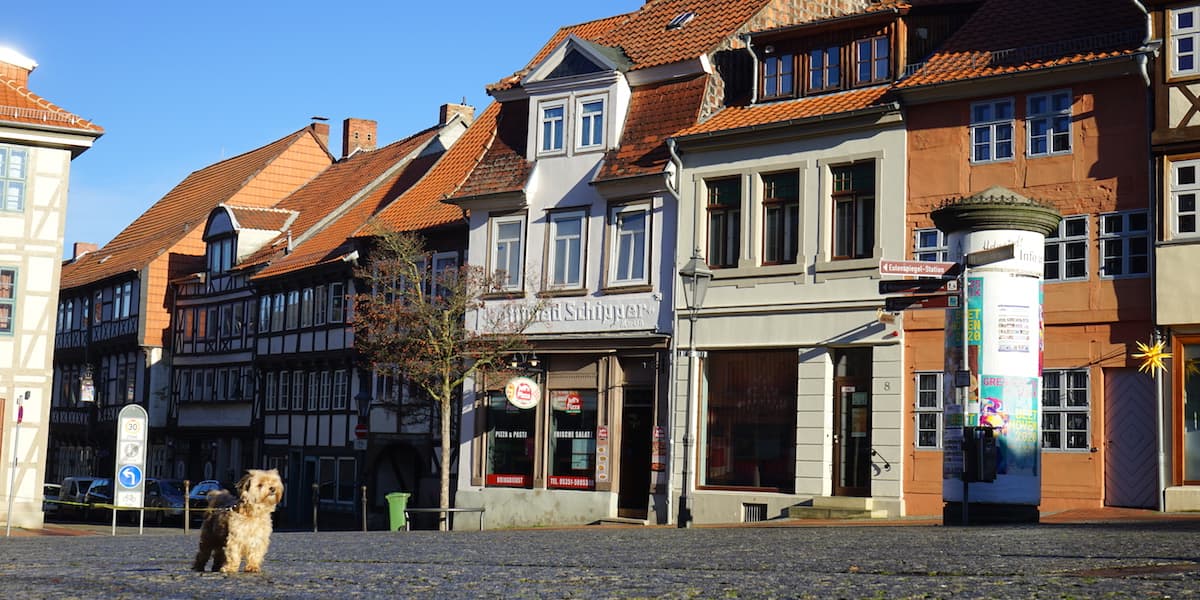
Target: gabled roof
[[655, 113], [339, 200], [19, 105], [421, 207], [758, 115], [1012, 36], [175, 215], [586, 31]]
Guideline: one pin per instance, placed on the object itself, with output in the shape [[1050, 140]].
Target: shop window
[[1190, 428], [510, 443], [750, 410], [572, 439]]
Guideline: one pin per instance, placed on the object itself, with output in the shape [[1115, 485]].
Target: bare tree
[[411, 324]]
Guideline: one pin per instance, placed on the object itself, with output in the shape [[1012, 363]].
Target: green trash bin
[[397, 502]]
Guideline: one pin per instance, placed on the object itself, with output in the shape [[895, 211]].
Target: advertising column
[[993, 365]]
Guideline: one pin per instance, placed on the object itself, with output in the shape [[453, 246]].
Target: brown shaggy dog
[[238, 528]]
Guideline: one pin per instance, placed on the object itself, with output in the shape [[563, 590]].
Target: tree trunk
[[447, 413]]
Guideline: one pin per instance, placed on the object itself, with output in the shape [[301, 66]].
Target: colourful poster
[[1008, 404]]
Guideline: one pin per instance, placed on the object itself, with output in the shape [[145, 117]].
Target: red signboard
[[918, 268], [360, 431], [507, 480], [570, 482]]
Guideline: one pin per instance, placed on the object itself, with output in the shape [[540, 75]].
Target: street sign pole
[[129, 473]]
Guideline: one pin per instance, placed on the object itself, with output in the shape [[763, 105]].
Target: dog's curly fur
[[240, 527]]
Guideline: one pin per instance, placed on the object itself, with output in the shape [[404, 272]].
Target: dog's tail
[[221, 499]]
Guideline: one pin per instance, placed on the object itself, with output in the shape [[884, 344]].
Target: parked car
[[163, 500], [99, 499], [50, 492], [71, 496], [198, 496]]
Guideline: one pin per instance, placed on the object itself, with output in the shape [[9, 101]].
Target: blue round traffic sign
[[130, 476]]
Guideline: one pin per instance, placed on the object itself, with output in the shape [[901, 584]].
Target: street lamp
[[695, 276], [362, 401]]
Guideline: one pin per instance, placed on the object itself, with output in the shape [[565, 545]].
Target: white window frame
[[566, 251], [298, 381], [929, 244], [543, 149], [314, 389], [585, 123], [510, 281], [1185, 197], [337, 302], [1062, 242], [306, 307], [1049, 115], [320, 305], [1057, 401], [269, 392], [442, 262], [13, 179], [9, 300], [927, 386], [292, 310], [326, 389], [990, 123], [340, 390], [1187, 35], [285, 389], [1125, 242], [625, 239]]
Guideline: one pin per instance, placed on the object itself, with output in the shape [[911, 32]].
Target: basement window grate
[[753, 513]]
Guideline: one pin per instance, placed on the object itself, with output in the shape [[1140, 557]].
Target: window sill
[[846, 268], [639, 288], [513, 295], [562, 293], [758, 271]]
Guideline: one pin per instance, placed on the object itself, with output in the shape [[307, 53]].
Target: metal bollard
[[364, 508], [187, 506], [316, 500]]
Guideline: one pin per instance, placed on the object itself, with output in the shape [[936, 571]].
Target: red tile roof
[[421, 207], [331, 190], [740, 117], [655, 113], [263, 219], [1011, 36], [503, 167], [648, 43], [19, 105], [177, 214]]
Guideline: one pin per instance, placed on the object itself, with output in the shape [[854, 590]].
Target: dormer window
[[779, 76], [872, 62], [824, 69], [591, 123], [220, 255], [553, 117]]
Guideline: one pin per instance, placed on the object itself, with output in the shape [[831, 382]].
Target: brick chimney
[[357, 134], [81, 248], [449, 111], [16, 66], [321, 130]]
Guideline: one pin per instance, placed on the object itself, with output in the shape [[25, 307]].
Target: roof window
[[681, 20]]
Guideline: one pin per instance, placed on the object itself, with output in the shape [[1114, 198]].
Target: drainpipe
[[753, 71], [1152, 194], [672, 402]]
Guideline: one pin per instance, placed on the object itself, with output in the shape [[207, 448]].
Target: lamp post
[[362, 402], [695, 276]]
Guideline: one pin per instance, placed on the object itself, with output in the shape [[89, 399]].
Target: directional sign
[[897, 303], [918, 268], [893, 286], [992, 255], [130, 476]]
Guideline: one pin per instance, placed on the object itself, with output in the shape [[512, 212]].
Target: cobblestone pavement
[[1118, 559]]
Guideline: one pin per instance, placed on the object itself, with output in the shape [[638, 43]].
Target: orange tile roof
[[1011, 36], [655, 112], [331, 189], [175, 215], [421, 207], [647, 42], [257, 217], [740, 117], [587, 31], [503, 167], [19, 105]]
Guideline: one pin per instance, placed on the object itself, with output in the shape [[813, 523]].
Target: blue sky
[[180, 85]]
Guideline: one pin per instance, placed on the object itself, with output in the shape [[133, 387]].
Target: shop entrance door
[[637, 427], [852, 422]]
